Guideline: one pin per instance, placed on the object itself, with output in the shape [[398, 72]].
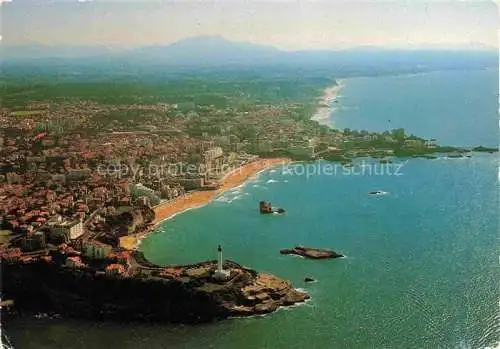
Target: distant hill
[[215, 52], [206, 50], [191, 51]]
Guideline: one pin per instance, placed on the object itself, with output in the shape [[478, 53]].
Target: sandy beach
[[197, 199], [326, 101]]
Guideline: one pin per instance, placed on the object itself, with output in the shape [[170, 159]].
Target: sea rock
[[266, 307], [266, 208], [310, 252], [294, 297], [485, 149]]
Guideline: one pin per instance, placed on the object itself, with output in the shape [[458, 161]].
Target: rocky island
[[266, 208], [310, 252]]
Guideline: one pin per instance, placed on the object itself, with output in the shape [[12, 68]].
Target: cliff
[[184, 294]]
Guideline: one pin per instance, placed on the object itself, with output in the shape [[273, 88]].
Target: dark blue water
[[458, 108]]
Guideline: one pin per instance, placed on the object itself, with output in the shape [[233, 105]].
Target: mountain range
[[216, 51]]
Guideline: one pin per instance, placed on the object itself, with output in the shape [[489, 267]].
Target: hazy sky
[[285, 24]]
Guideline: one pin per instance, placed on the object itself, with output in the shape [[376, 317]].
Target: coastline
[[325, 103], [197, 199]]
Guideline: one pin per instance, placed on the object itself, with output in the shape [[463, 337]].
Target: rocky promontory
[[310, 252], [179, 294]]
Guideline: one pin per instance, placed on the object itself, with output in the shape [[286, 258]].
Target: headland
[[144, 291]]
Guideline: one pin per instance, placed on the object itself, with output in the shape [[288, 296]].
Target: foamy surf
[[320, 117], [452, 158], [379, 193], [293, 255], [457, 158], [229, 199], [272, 181]]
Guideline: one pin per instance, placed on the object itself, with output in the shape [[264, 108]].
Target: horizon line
[[471, 46]]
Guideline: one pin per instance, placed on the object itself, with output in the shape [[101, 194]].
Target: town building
[[33, 241], [115, 269], [96, 250], [213, 159], [67, 230], [74, 262], [306, 151]]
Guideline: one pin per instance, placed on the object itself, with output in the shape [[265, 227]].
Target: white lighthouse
[[220, 273]]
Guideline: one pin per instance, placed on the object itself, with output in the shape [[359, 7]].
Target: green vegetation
[[27, 112], [237, 92], [265, 115]]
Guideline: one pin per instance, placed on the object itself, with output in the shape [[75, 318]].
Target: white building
[[70, 230], [213, 153]]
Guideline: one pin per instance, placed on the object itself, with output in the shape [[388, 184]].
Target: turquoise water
[[422, 261], [421, 266]]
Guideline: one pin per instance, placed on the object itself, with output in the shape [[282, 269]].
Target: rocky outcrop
[[265, 294], [179, 294], [266, 208], [310, 252], [485, 149]]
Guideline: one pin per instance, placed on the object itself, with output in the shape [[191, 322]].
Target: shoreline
[[200, 198], [326, 101]]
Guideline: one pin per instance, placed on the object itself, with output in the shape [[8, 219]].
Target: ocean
[[458, 108], [421, 266]]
